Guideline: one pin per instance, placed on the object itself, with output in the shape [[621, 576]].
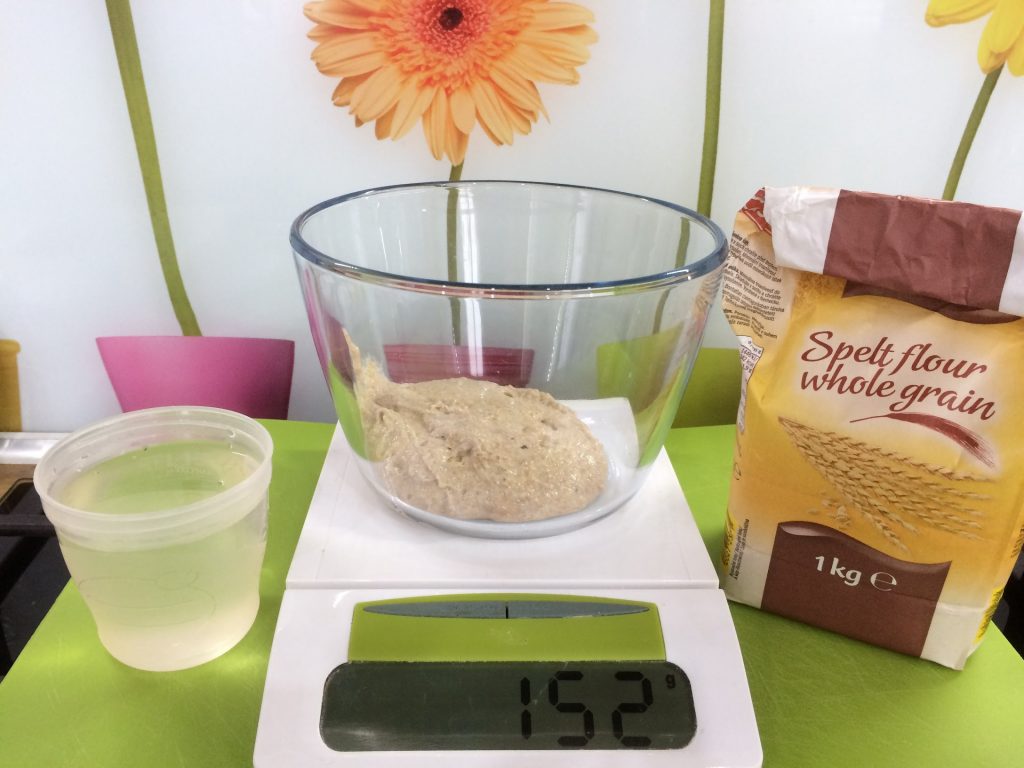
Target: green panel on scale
[[505, 627]]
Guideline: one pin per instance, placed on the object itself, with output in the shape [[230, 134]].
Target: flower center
[[450, 18], [449, 42], [450, 27]]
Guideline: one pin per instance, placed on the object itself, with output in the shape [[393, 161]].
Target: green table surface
[[820, 699]]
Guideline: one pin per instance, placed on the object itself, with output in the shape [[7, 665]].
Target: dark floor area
[[29, 600], [32, 571]]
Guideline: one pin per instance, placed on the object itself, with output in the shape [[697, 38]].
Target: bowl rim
[[660, 280]]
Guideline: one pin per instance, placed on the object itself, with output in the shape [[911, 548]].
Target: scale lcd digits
[[506, 672], [402, 645]]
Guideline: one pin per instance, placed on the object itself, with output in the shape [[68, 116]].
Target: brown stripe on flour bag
[[878, 466], [822, 576], [954, 252]]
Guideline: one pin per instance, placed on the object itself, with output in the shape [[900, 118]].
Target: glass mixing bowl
[[506, 358]]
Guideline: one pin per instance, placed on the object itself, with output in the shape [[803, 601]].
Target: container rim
[[703, 266], [73, 519]]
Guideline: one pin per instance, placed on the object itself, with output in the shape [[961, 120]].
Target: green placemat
[[820, 699]]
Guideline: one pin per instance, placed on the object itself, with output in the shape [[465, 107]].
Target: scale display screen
[[507, 705]]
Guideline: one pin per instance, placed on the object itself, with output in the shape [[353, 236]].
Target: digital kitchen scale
[[399, 644]]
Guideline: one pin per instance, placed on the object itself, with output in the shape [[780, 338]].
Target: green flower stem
[[970, 131], [709, 152], [126, 47], [712, 106], [453, 263]]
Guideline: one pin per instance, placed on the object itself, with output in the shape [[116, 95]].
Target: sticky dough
[[472, 449]]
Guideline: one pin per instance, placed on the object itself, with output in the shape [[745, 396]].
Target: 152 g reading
[[369, 706]]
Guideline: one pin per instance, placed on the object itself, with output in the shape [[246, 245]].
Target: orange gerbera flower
[[451, 64]]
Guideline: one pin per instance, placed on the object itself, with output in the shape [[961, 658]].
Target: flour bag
[[878, 482]]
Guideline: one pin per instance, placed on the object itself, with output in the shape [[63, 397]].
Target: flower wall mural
[[695, 103]]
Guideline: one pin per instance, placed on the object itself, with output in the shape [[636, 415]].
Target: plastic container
[[596, 298], [161, 516]]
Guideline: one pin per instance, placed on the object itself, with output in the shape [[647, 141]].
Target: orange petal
[[490, 135], [490, 110], [517, 88], [455, 143], [346, 67], [435, 120], [323, 32], [564, 49], [382, 128], [377, 94], [341, 6], [536, 66], [338, 14], [342, 95], [463, 110], [412, 103], [560, 15], [459, 155], [346, 45], [942, 12], [361, 65], [373, 6], [309, 10], [520, 122]]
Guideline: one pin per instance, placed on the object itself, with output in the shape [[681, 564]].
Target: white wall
[[861, 95]]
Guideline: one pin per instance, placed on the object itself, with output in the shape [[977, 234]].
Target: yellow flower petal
[[1015, 60], [377, 94], [463, 110], [942, 12], [988, 60], [1004, 27]]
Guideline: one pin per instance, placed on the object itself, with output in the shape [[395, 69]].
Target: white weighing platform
[[355, 550]]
